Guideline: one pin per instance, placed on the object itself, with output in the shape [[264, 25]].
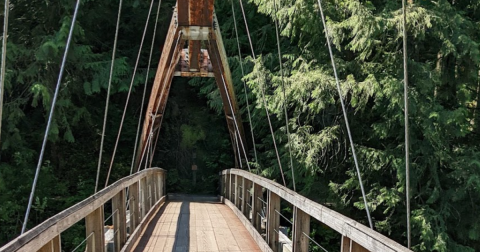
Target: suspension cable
[[172, 60], [129, 93], [284, 95], [4, 59], [243, 80], [238, 151], [347, 125], [50, 117], [231, 107], [108, 94], [407, 133], [263, 98], [145, 88]]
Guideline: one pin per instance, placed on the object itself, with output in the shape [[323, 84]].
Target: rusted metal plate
[[194, 52], [183, 12]]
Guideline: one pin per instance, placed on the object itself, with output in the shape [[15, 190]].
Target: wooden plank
[[143, 197], [301, 226], [119, 220], [362, 235], [133, 238], [262, 244], [133, 196], [246, 197], [161, 84], [350, 246], [237, 190], [230, 186], [43, 233], [94, 230], [52, 246], [257, 207], [273, 220]]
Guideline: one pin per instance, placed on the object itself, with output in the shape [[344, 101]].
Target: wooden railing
[[245, 191], [146, 191]]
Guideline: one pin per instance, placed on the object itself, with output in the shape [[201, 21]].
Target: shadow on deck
[[195, 223]]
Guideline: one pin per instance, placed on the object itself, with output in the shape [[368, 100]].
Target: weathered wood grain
[[362, 235], [37, 237]]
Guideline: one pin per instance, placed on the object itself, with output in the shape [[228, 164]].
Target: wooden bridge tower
[[193, 48]]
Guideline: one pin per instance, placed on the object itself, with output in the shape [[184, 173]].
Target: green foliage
[[444, 63]]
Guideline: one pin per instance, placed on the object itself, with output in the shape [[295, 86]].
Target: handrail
[[351, 230], [150, 181]]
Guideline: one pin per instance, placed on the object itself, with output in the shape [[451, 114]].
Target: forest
[[444, 92]]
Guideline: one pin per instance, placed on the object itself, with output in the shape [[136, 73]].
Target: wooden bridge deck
[[195, 224]]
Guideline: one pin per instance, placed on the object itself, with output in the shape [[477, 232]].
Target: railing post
[[119, 220], [133, 195], [154, 188], [273, 220], [52, 246], [257, 207], [235, 188], [228, 184], [301, 225], [143, 197], [150, 191], [246, 197], [238, 184], [349, 245], [164, 184], [158, 177], [94, 225], [222, 184]]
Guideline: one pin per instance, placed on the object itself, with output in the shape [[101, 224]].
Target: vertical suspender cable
[[108, 94], [4, 61], [407, 135], [231, 108], [145, 88], [347, 125], [244, 84], [172, 60], [50, 117], [129, 93], [263, 98], [284, 95]]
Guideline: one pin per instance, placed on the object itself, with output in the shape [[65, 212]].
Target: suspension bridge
[[246, 215]]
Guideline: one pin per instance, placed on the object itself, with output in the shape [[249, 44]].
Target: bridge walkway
[[189, 223]]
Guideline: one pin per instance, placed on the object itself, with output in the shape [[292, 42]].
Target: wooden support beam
[[133, 195], [143, 197], [228, 186], [150, 193], [119, 220], [257, 207], [273, 220], [52, 246], [246, 197], [301, 226], [223, 77], [239, 192], [94, 230], [348, 245], [223, 179], [37, 237], [362, 235]]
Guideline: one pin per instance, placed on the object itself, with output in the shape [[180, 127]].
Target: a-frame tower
[[193, 48]]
